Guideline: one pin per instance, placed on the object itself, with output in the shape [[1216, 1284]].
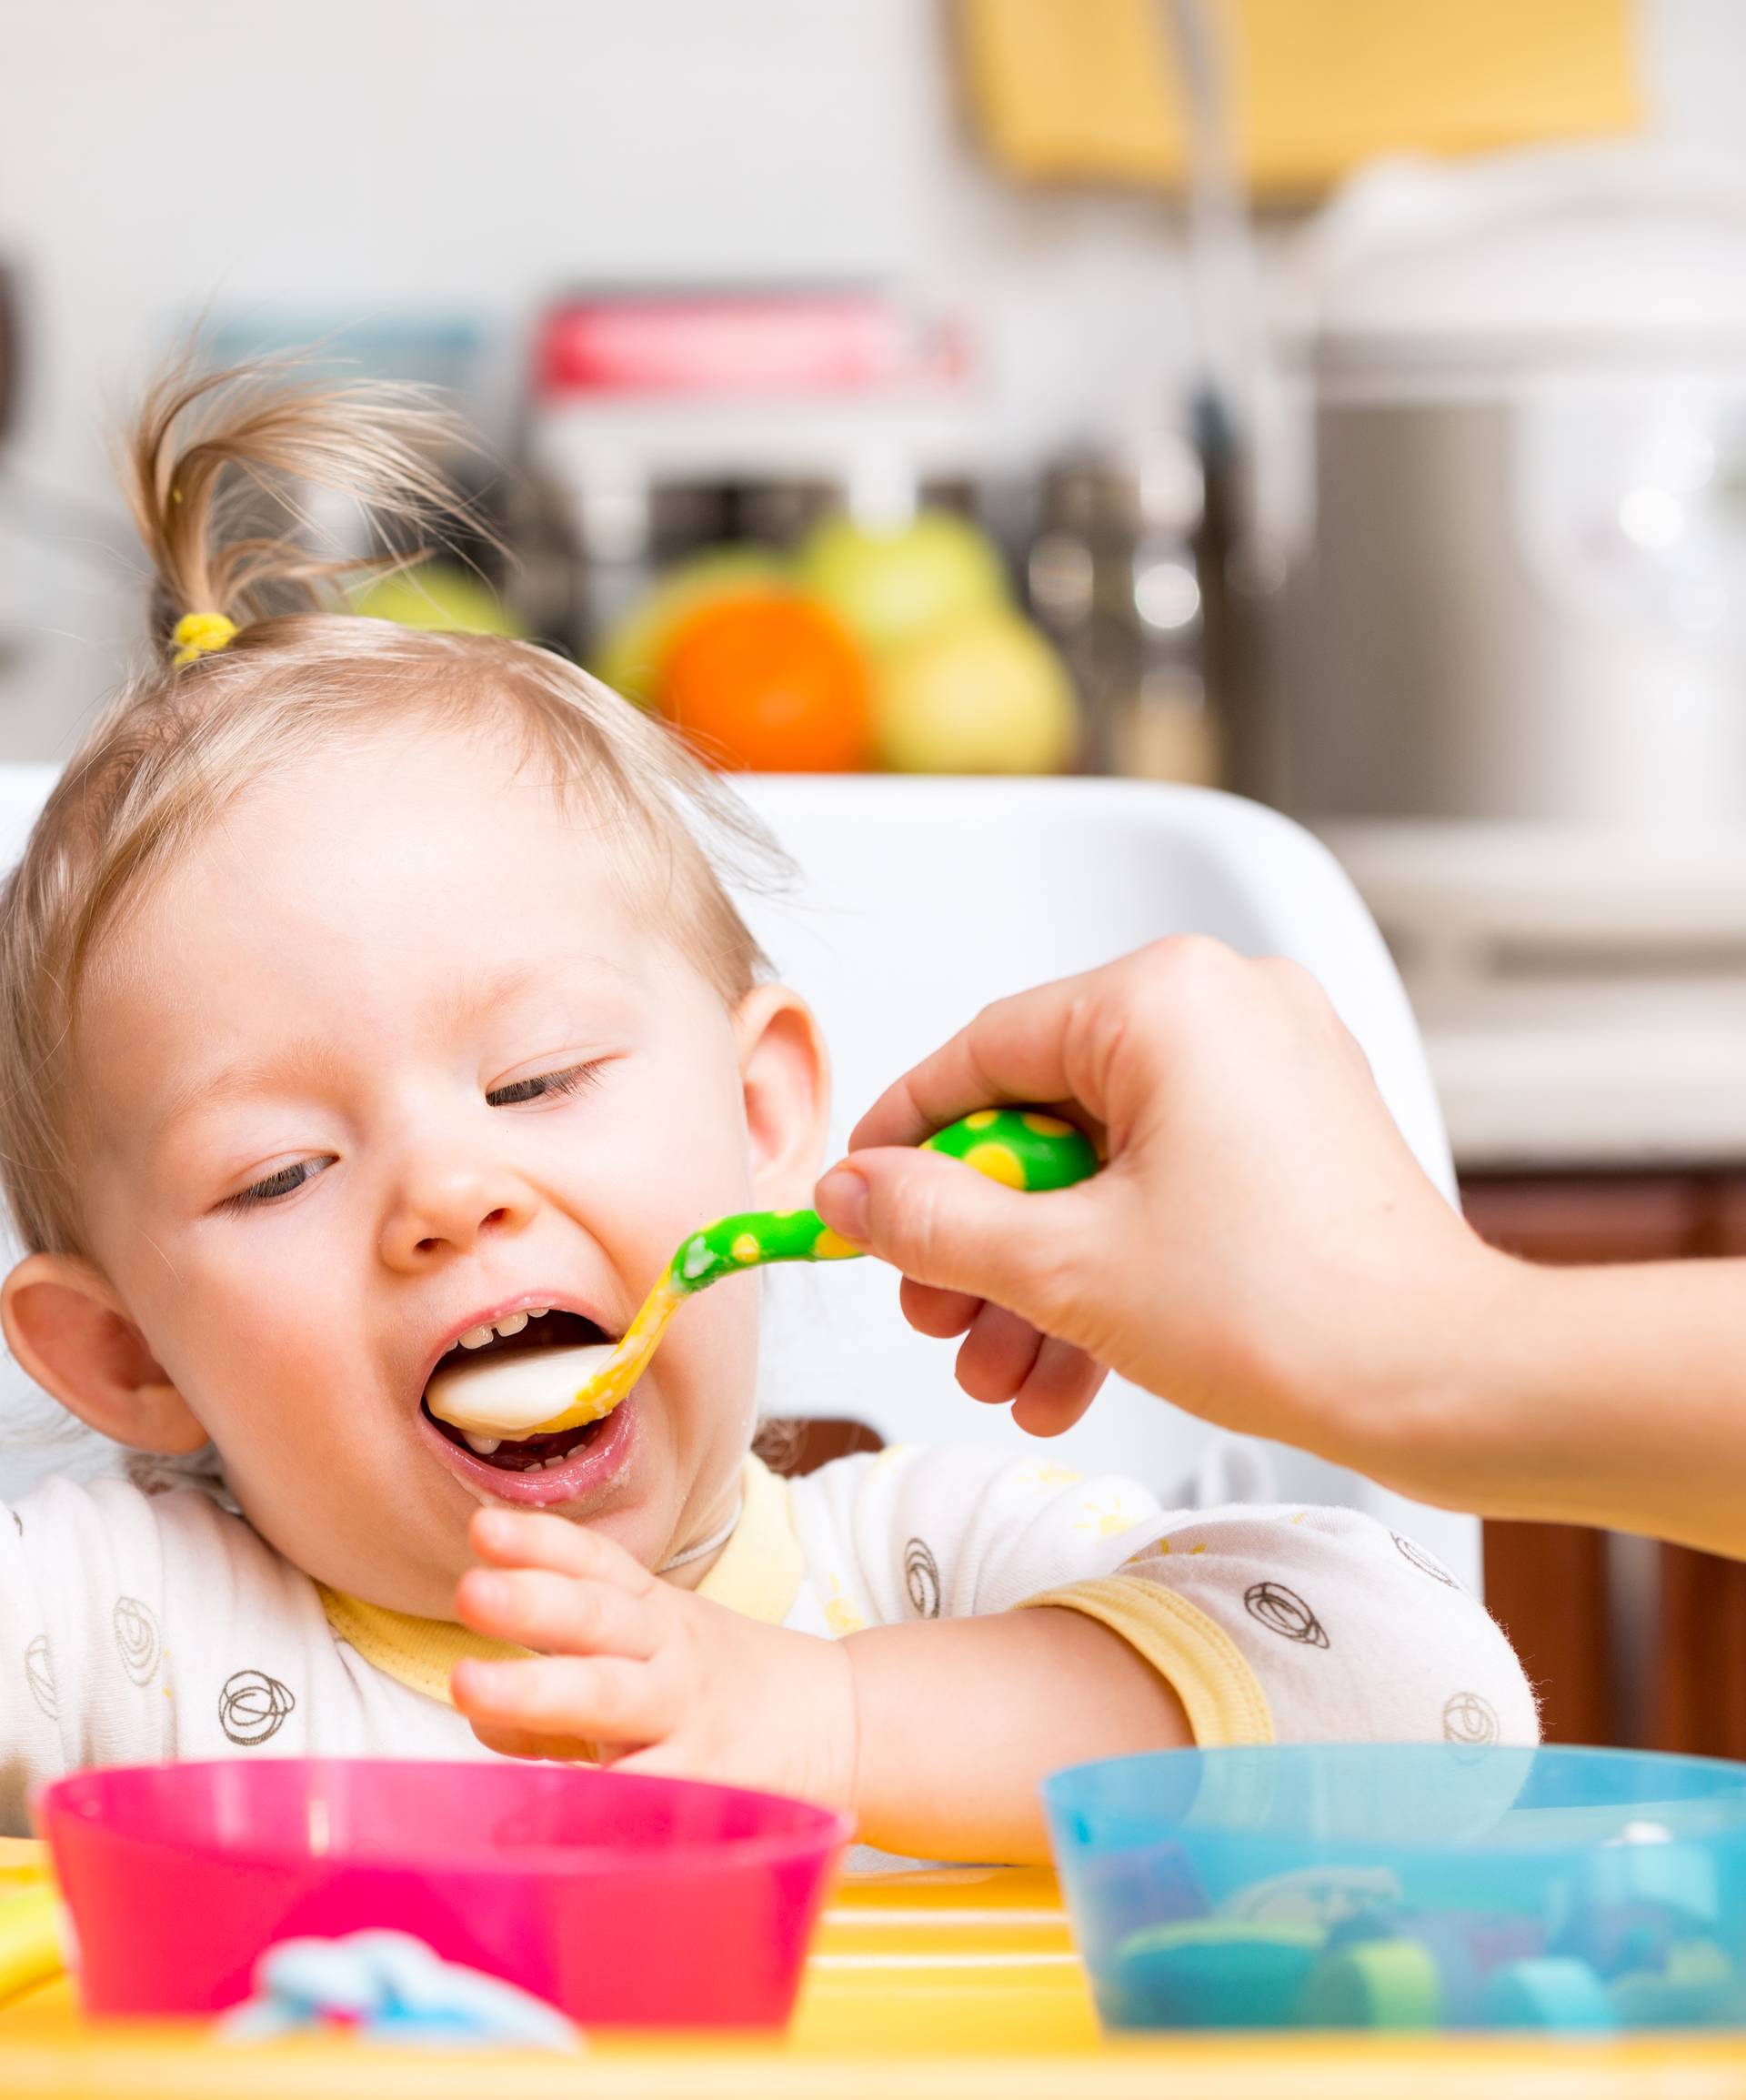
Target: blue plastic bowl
[[1416, 1886]]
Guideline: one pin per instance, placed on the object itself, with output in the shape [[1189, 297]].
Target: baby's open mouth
[[529, 1370]]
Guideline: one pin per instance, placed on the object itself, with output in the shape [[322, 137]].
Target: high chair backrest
[[919, 900]]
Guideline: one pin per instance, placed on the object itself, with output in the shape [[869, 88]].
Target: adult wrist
[[1455, 1414]]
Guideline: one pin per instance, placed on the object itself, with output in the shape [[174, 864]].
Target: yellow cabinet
[[1085, 90]]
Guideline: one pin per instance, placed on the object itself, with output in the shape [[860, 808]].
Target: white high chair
[[921, 899]]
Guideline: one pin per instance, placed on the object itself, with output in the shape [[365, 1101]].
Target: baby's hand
[[640, 1675]]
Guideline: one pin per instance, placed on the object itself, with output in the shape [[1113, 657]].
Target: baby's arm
[[934, 1734], [1221, 1626], [959, 1719], [1236, 1625]]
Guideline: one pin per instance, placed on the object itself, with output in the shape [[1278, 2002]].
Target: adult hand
[[1261, 1246]]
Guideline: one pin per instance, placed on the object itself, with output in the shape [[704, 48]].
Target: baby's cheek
[[698, 1175], [281, 1396], [708, 1364], [690, 1099]]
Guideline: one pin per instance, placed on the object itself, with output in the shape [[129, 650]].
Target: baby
[[370, 993]]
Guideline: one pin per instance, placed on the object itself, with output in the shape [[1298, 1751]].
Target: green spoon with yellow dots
[[493, 1399]]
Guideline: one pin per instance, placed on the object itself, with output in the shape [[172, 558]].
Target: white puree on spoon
[[511, 1395]]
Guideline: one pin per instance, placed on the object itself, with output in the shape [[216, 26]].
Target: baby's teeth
[[537, 1312], [483, 1445], [475, 1338], [513, 1325]]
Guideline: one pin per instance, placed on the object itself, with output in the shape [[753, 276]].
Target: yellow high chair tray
[[958, 1983]]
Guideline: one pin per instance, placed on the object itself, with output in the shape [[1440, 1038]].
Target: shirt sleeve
[[1346, 1630], [1271, 1623], [136, 1626], [953, 1530], [81, 1636]]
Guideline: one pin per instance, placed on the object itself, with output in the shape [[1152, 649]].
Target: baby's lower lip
[[579, 1478]]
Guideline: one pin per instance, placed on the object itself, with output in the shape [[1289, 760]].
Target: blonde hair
[[178, 743]]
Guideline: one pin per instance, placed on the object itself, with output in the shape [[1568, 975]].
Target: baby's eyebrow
[[312, 1062], [480, 991], [308, 1060]]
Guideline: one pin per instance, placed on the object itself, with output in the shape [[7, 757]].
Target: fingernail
[[841, 1198]]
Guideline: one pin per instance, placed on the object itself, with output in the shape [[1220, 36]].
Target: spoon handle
[[1023, 1148]]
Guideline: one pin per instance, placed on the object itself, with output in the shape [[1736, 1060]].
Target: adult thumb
[[940, 1222]]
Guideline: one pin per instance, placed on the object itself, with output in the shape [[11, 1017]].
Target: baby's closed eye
[[281, 1182], [570, 1079]]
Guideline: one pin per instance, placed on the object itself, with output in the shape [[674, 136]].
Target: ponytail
[[216, 472]]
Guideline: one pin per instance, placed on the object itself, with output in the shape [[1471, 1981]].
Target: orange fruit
[[771, 683]]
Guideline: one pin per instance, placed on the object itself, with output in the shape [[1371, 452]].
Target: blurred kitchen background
[[1343, 401]]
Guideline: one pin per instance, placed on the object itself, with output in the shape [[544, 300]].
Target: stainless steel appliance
[[1519, 589]]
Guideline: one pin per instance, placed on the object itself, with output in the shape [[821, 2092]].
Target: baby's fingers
[[518, 1742], [600, 1698], [529, 1539], [559, 1614]]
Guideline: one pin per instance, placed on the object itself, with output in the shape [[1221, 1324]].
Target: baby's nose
[[453, 1209]]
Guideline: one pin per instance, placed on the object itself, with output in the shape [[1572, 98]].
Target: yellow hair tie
[[201, 634]]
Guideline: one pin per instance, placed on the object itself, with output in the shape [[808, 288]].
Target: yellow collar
[[759, 1574]]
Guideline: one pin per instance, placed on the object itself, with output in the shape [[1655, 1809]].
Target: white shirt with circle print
[[135, 1627]]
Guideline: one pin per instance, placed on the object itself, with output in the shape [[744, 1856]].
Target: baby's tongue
[[509, 1395]]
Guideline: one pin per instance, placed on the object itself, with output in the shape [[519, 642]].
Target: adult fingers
[[1020, 1048], [945, 1225], [997, 1355], [1062, 1384], [939, 1314]]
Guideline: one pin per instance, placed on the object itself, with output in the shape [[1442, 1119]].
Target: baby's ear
[[786, 1075], [67, 1329]]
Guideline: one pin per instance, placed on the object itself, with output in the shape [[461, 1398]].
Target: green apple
[[440, 597], [985, 694], [630, 656], [891, 588]]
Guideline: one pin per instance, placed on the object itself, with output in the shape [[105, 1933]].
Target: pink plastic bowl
[[628, 1902]]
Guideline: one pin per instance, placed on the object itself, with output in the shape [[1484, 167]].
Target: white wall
[[367, 156]]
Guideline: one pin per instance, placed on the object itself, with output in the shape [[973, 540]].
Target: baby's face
[[389, 1056]]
